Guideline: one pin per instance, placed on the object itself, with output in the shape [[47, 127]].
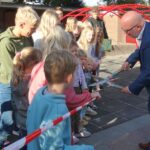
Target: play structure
[[117, 10]]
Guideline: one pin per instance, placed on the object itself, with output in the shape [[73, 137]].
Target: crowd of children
[[44, 78]]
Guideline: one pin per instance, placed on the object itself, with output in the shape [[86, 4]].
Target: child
[[48, 21], [57, 40], [82, 94], [73, 27], [91, 46], [13, 40], [87, 64], [50, 103], [23, 63], [59, 12]]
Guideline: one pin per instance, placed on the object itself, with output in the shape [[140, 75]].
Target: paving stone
[[116, 126], [131, 112]]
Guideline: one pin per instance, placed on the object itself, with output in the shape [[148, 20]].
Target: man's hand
[[125, 66], [126, 90]]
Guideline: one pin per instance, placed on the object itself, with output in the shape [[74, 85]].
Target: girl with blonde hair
[[72, 27], [90, 43], [86, 38], [71, 24], [48, 21], [58, 39], [86, 24]]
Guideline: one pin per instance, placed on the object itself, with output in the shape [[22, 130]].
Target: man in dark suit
[[135, 26]]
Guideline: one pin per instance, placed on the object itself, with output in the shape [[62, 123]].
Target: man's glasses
[[128, 30]]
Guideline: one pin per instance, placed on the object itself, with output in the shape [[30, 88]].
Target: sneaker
[[90, 111], [94, 107], [83, 133], [84, 122], [87, 118], [75, 140], [15, 132]]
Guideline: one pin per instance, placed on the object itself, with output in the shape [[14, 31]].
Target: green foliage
[[66, 3], [124, 1]]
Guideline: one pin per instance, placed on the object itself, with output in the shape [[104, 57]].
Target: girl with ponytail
[[23, 63]]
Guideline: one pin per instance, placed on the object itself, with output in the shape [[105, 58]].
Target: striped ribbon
[[25, 140], [107, 79]]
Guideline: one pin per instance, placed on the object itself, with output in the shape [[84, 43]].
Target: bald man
[[134, 25]]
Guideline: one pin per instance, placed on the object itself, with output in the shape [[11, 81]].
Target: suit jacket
[[142, 54]]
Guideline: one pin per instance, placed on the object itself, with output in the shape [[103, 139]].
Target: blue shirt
[[45, 107]]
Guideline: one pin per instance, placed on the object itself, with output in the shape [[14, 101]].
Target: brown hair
[[99, 41], [58, 65], [59, 8], [94, 9], [28, 57], [73, 43]]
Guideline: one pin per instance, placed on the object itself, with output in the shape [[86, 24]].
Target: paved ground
[[122, 120]]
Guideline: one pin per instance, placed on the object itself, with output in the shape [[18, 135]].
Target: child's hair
[[27, 14], [89, 64], [94, 9], [27, 58], [58, 65], [83, 44], [99, 41], [73, 43], [59, 8], [81, 53], [49, 20], [86, 24], [70, 24], [58, 39]]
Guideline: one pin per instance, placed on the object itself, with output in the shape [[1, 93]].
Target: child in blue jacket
[[49, 103]]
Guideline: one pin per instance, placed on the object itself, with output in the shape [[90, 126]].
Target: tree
[[109, 2], [66, 3]]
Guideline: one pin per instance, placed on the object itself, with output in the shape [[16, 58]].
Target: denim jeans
[[5, 93], [6, 117]]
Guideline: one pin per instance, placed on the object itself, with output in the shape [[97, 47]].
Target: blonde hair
[[58, 65], [28, 57], [87, 24], [82, 42], [26, 14], [70, 24], [57, 39], [49, 20]]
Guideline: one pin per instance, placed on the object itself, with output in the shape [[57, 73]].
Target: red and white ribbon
[[25, 140]]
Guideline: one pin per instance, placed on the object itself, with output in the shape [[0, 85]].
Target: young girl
[[90, 45], [57, 40], [23, 63], [48, 21], [82, 94], [73, 27]]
